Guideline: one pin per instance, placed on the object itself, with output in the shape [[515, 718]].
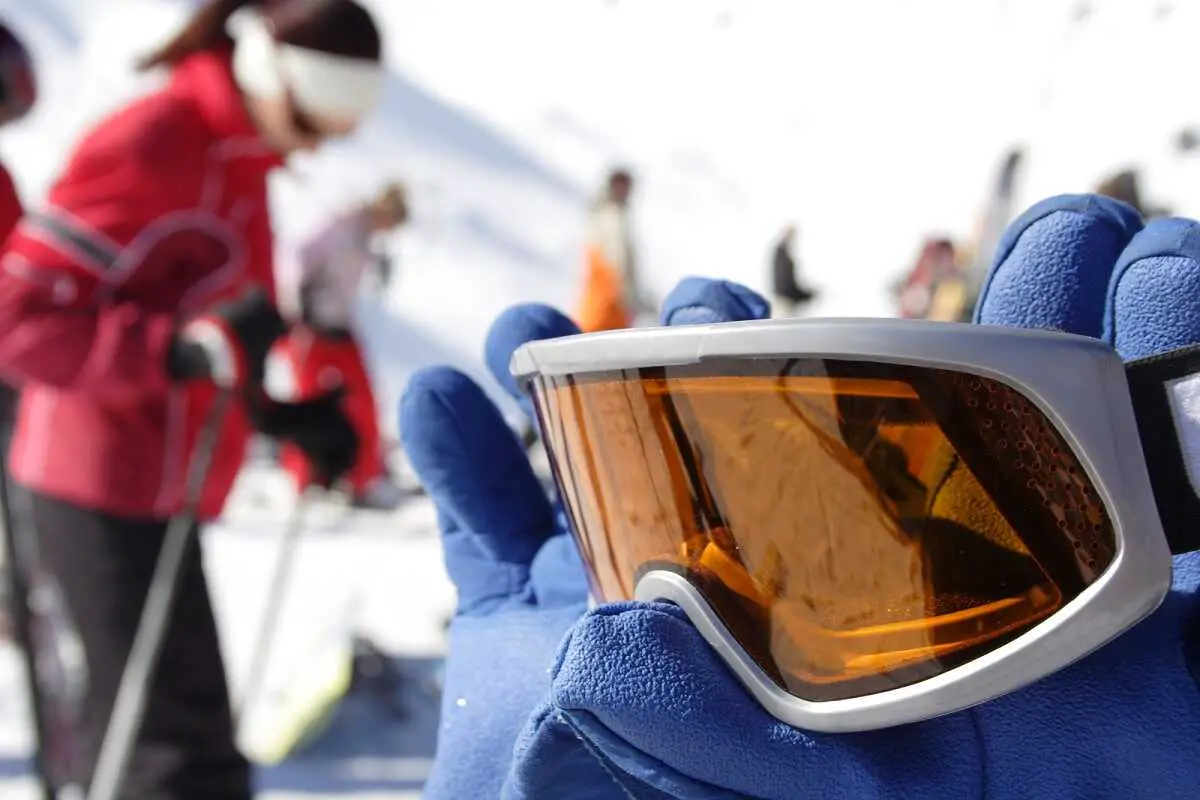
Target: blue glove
[[521, 585], [639, 706]]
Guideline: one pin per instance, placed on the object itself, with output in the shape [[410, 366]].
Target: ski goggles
[[874, 522]]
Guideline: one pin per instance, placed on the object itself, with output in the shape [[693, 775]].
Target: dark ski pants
[[186, 749]]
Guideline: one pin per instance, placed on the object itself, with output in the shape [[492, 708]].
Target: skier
[[548, 694], [928, 291], [613, 294], [140, 291], [319, 284], [790, 296], [1126, 185]]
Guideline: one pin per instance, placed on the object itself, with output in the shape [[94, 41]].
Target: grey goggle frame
[[1103, 408]]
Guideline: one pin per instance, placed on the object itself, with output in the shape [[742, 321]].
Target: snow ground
[[870, 123]]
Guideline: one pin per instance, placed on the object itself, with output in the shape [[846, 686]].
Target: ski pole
[[280, 579], [129, 708]]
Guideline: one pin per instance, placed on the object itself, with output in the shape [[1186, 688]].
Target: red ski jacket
[[10, 205], [159, 212]]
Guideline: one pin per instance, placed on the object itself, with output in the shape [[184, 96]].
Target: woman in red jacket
[[141, 289]]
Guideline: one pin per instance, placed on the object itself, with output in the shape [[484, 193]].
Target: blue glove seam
[[565, 716], [494, 600], [591, 750], [977, 726]]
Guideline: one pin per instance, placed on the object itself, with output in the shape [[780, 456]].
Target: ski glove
[[520, 582], [634, 704], [228, 344], [318, 427]]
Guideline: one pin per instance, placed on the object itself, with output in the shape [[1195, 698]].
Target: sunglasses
[[872, 522]]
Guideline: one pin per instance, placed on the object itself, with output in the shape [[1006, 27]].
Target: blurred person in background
[[1126, 186], [977, 252], [934, 287], [789, 295], [319, 286], [613, 293], [137, 294]]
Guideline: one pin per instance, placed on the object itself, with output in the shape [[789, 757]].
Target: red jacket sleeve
[[61, 321]]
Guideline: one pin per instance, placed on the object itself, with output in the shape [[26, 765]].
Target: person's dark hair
[[620, 175], [1123, 186], [18, 82], [336, 27]]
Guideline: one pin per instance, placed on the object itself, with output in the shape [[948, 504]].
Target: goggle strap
[[1165, 390]]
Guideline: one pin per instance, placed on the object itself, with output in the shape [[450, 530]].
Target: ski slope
[[870, 123]]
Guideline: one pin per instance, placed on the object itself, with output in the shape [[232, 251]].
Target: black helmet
[[18, 87]]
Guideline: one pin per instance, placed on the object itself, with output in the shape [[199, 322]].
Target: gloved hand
[[637, 705], [520, 581], [317, 426], [229, 343]]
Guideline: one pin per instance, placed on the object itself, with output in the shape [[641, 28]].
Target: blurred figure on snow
[[790, 295], [319, 284], [934, 288], [1125, 186], [135, 297], [978, 252], [613, 295]]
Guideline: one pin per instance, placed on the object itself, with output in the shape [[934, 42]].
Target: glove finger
[[494, 513], [1152, 298], [703, 301], [528, 322], [1053, 265], [1152, 309], [638, 682]]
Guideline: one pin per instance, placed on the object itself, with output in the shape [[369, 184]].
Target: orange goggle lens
[[857, 527]]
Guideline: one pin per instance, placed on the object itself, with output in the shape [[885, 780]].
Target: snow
[[871, 123]]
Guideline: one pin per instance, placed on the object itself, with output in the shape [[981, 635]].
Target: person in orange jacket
[[613, 295]]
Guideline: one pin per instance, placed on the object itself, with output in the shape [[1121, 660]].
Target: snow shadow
[[373, 742], [411, 116], [479, 229], [15, 767]]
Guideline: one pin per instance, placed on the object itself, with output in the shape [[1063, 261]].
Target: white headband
[[320, 83]]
